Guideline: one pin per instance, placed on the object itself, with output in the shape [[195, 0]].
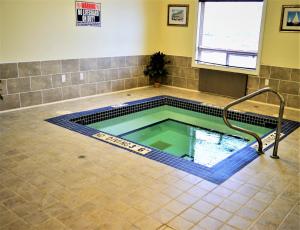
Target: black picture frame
[[290, 18], [178, 15]]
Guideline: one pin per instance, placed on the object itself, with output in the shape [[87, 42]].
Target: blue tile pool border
[[218, 173]]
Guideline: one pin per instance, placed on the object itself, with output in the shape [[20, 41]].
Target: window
[[228, 33]]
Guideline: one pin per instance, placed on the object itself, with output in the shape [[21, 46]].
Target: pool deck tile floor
[[52, 178]]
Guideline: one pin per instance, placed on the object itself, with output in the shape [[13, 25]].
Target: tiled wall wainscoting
[[32, 83], [284, 80], [181, 74]]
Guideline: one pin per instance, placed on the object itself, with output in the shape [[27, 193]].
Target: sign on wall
[[88, 13]]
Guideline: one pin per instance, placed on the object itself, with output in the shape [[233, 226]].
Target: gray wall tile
[[117, 85], [11, 101], [52, 95], [124, 73], [273, 83], [9, 70], [179, 82], [104, 87], [193, 84], [131, 60], [3, 87], [75, 77], [136, 71], [87, 64], [295, 75], [117, 62], [188, 73], [70, 65], [143, 59], [293, 101], [273, 99], [31, 98], [182, 61], [289, 87], [50, 67], [111, 74], [104, 63], [280, 73], [253, 82], [42, 82], [29, 69], [261, 98], [265, 71], [57, 80], [18, 85], [131, 83], [174, 71], [70, 92], [170, 59], [88, 89], [143, 81], [95, 76], [167, 80]]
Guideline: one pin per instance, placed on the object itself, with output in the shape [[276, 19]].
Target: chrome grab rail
[[279, 120]]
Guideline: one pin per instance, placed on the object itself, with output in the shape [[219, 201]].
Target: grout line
[[295, 206]]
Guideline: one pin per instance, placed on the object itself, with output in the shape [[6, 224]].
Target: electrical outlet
[[81, 76], [63, 78], [266, 82]]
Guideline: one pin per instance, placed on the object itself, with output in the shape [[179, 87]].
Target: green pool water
[[201, 138]]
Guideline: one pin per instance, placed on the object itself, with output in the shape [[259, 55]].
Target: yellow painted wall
[[1, 32], [178, 40], [280, 48], [45, 29]]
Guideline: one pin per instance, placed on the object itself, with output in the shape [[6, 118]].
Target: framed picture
[[178, 15], [290, 18]]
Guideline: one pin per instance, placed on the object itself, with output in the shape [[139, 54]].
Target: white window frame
[[196, 41]]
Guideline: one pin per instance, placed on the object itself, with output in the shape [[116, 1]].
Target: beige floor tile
[[180, 223], [210, 223], [222, 191], [187, 199], [147, 207], [50, 225], [239, 222], [238, 198], [203, 206], [192, 215], [175, 207], [213, 199], [163, 215], [172, 192], [17, 225], [248, 213], [220, 214], [230, 205], [44, 181], [148, 223], [36, 218], [7, 217]]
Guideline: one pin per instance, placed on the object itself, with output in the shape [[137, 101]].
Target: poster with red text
[[88, 14]]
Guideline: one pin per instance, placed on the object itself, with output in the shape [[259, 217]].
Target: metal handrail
[[279, 120]]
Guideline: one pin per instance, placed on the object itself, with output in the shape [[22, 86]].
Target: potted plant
[[156, 69]]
